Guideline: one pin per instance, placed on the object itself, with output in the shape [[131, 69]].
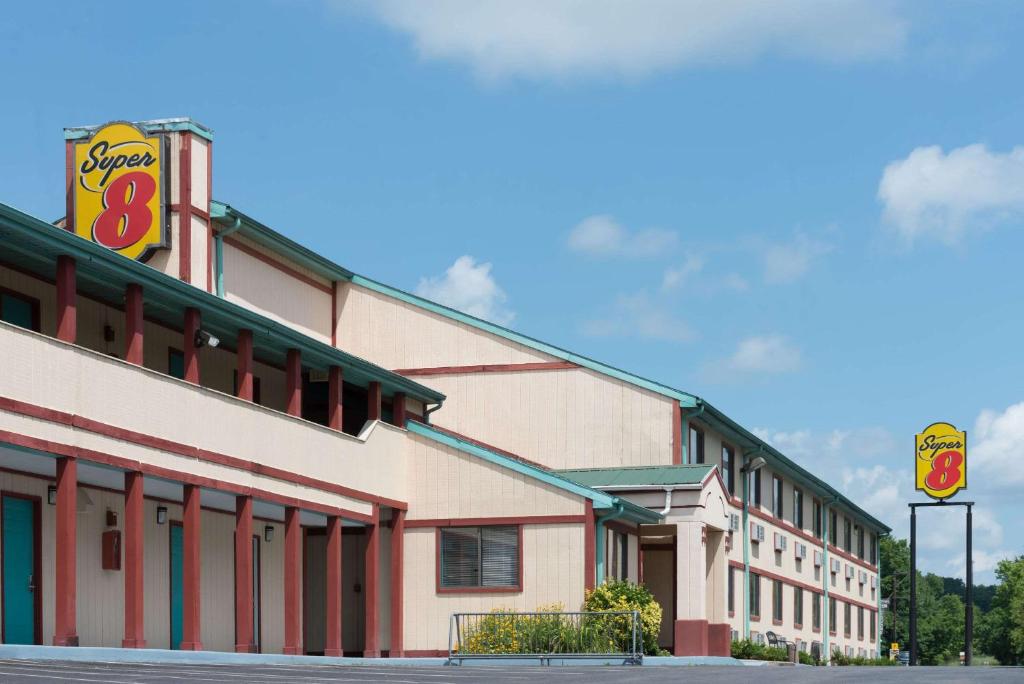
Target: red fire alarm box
[[112, 550]]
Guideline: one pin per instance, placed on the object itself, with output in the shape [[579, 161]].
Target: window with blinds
[[479, 557]]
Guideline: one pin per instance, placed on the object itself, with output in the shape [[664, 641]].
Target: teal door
[[19, 571], [177, 570]]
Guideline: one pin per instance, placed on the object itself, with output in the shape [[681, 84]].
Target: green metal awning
[[32, 245], [639, 476]]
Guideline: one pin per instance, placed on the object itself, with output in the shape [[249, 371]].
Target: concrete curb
[[164, 656]]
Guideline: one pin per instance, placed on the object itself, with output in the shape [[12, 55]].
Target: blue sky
[[810, 217]]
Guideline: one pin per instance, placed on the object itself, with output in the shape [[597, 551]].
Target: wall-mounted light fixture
[[161, 515], [205, 339], [268, 533], [51, 495]]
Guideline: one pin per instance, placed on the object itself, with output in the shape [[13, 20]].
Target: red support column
[[677, 434], [67, 295], [397, 583], [190, 639], [373, 401], [65, 596], [334, 403], [243, 575], [589, 547], [244, 354], [191, 352], [293, 370], [134, 615], [332, 641], [133, 324], [371, 649], [292, 582], [398, 409]]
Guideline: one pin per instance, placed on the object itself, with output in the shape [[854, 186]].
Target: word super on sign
[[118, 190], [940, 459]]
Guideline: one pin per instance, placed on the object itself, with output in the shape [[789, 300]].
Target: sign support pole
[[969, 592], [913, 585]]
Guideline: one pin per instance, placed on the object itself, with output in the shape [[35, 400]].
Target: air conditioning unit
[[863, 577], [849, 571], [756, 533], [757, 637], [836, 566], [819, 558], [780, 542], [874, 581], [734, 521], [800, 550]]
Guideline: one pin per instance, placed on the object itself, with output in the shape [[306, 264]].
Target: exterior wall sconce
[[205, 339], [161, 515], [51, 495], [268, 533]]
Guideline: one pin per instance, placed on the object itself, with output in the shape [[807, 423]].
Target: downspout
[[746, 549], [620, 509], [878, 598], [668, 502], [218, 244], [699, 411]]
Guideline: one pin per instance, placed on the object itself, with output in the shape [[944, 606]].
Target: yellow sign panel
[[940, 459], [118, 186]]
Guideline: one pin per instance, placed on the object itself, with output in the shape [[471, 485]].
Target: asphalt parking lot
[[27, 671]]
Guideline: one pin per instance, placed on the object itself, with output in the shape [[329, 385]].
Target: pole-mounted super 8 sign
[[118, 187], [940, 459]]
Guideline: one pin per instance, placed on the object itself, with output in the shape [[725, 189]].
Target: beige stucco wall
[[569, 418], [453, 484], [270, 291], [394, 334], [552, 573], [122, 395]]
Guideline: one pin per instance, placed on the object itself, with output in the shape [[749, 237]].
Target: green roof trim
[[288, 248], [640, 476], [151, 126], [776, 458], [600, 499], [43, 242]]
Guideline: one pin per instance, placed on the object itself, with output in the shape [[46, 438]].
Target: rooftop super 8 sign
[[118, 188], [940, 459]]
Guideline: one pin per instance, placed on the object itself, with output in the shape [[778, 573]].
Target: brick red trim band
[[507, 520], [196, 211], [288, 270], [79, 422], [488, 368], [801, 585], [677, 433]]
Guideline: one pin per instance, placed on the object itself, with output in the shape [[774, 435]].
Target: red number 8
[[125, 200], [945, 470]]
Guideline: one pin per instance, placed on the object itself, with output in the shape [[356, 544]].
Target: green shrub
[[807, 659], [625, 596], [841, 659], [748, 650]]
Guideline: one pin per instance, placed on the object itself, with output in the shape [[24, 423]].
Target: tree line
[[998, 609]]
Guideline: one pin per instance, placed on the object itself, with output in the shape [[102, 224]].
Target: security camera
[[205, 339]]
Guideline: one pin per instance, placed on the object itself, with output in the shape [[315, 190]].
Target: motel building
[[213, 438]]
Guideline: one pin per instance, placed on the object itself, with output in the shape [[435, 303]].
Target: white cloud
[[996, 448], [787, 262], [763, 354], [601, 235], [543, 39], [677, 276], [945, 196], [638, 316], [469, 287]]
